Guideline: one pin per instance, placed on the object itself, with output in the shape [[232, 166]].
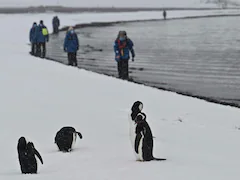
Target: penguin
[[66, 138], [143, 144], [26, 156], [136, 108]]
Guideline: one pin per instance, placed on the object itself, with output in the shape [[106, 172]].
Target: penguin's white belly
[[140, 150], [74, 140]]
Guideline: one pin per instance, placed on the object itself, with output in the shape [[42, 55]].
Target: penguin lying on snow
[[140, 134], [66, 138], [26, 156]]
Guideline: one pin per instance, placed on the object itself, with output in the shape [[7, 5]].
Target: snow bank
[[38, 97]]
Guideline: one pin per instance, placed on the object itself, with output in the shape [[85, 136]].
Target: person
[[42, 38], [71, 46], [33, 39], [122, 48], [164, 14], [56, 24]]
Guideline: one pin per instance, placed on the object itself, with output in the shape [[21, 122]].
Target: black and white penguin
[[66, 138], [143, 144], [26, 156], [135, 110]]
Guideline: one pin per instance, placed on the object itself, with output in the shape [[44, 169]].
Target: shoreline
[[62, 9]]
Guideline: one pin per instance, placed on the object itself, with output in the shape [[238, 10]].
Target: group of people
[[123, 46], [38, 37], [140, 135]]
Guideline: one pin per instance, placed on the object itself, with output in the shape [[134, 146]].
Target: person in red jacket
[[122, 48]]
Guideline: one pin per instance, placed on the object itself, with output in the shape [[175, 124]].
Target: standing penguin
[[136, 108], [143, 145], [26, 156], [66, 138]]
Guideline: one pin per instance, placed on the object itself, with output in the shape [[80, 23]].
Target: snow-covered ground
[[116, 3], [38, 97]]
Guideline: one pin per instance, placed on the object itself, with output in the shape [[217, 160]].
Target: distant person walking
[[122, 48], [33, 39], [165, 14], [56, 24], [71, 46], [42, 38]]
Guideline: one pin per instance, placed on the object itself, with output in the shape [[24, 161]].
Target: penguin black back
[[144, 138], [22, 154], [26, 155], [65, 138], [136, 108], [22, 144]]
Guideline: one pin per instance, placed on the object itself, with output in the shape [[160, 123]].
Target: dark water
[[197, 57]]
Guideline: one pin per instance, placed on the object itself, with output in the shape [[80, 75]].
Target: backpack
[[44, 31]]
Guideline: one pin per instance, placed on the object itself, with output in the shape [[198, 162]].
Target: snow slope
[[110, 3], [38, 97]]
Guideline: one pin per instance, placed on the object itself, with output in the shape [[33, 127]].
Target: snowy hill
[[122, 3], [38, 97]]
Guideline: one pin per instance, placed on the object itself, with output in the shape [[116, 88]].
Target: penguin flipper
[[137, 141], [38, 155], [80, 135]]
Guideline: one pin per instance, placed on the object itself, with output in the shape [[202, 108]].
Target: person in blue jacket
[[164, 14], [122, 48], [42, 38], [33, 39], [56, 24], [71, 46]]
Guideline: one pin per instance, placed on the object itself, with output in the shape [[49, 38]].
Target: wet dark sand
[[195, 57]]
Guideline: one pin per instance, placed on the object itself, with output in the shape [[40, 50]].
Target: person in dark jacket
[[42, 38], [164, 14], [122, 48], [56, 24], [71, 46], [26, 156], [33, 39]]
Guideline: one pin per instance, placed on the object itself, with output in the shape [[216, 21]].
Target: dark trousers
[[41, 49], [72, 59], [55, 30], [34, 49], [123, 69]]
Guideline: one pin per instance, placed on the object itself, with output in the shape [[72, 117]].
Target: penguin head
[[30, 144], [22, 143], [140, 118], [137, 106]]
